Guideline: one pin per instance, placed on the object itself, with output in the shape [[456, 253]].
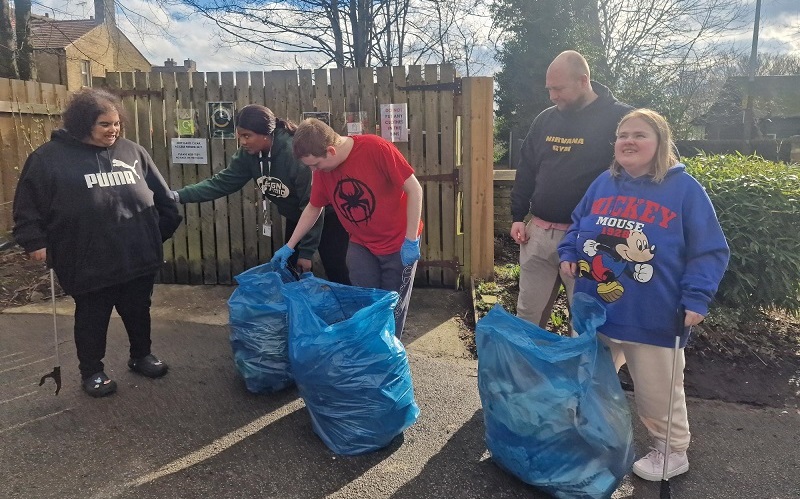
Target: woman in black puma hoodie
[[95, 207]]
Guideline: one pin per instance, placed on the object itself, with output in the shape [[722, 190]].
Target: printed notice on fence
[[190, 151], [394, 122]]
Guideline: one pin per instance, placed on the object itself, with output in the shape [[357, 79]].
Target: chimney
[[46, 14], [190, 65], [104, 12]]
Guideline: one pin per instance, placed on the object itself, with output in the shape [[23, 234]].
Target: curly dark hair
[[85, 106]]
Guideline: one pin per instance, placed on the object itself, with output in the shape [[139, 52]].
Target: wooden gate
[[29, 111], [220, 239]]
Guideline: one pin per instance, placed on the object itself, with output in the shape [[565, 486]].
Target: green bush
[[758, 205]]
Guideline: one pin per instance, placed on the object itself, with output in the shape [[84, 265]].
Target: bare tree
[[341, 31], [453, 32], [355, 33], [25, 63], [8, 60], [663, 35]]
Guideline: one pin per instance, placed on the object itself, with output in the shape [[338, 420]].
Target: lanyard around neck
[[269, 163]]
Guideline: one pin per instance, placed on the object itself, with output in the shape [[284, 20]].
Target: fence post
[[794, 153], [478, 172]]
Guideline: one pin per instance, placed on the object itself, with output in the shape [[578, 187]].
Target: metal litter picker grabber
[[666, 492], [56, 373]]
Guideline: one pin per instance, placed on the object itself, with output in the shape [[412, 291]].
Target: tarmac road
[[198, 433]]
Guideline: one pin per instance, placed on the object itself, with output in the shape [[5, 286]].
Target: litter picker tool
[[56, 373], [683, 332]]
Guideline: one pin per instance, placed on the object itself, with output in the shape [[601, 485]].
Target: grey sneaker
[[651, 466], [149, 366]]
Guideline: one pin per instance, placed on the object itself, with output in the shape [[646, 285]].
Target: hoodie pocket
[[118, 252]]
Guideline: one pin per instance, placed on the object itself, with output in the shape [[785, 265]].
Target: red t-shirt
[[366, 191]]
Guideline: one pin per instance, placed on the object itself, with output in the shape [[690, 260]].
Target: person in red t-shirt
[[377, 199]]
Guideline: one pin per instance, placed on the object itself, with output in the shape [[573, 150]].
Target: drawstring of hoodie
[[100, 165]]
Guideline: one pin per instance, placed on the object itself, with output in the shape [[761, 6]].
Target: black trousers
[[332, 247], [93, 311]]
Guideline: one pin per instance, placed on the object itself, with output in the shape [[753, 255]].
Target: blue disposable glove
[[409, 252], [281, 256]]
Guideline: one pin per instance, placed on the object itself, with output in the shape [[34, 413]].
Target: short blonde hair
[[312, 138], [665, 157]]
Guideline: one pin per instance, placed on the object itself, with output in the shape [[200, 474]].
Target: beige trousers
[[651, 370], [539, 274]]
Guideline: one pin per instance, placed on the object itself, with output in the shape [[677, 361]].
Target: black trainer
[[149, 366], [98, 385]]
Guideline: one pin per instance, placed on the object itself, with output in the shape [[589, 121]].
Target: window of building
[[86, 74]]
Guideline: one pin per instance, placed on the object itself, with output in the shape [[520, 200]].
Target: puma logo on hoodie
[[113, 178]]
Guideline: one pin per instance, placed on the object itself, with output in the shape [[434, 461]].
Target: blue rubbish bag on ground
[[350, 369], [555, 414], [259, 328]]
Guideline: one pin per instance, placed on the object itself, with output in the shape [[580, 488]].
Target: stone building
[[71, 52]]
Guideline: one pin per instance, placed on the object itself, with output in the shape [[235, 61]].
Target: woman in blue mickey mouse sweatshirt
[[645, 240]]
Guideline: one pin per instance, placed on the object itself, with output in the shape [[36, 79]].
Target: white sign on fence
[[191, 151], [394, 122]]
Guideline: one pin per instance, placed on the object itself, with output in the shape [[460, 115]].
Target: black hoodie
[[101, 213], [561, 156]]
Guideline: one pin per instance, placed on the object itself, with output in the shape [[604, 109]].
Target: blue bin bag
[[555, 414], [350, 369], [260, 329]]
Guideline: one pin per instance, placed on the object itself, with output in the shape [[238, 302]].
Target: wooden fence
[[449, 145], [29, 110]]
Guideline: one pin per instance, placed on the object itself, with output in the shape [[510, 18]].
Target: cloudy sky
[[178, 35]]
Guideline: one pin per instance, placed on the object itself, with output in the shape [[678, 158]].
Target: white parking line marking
[[18, 359], [20, 396], [11, 355], [24, 365], [20, 425], [219, 445]]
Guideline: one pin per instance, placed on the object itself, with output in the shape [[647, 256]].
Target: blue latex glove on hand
[[409, 252], [281, 256]]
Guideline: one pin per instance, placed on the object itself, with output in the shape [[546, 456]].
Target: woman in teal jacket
[[265, 155]]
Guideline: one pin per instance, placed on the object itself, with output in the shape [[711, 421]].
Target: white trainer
[[651, 466]]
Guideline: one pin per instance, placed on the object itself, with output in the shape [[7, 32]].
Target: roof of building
[[48, 33]]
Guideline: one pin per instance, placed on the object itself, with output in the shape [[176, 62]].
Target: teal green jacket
[[285, 181]]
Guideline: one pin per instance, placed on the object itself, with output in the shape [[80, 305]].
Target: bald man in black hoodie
[[567, 147]]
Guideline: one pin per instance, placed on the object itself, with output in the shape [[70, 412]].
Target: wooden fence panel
[[29, 111], [478, 153], [352, 105], [10, 154], [447, 162], [306, 93], [399, 79], [257, 96], [366, 78], [142, 100], [161, 158], [416, 153], [216, 151], [235, 214], [291, 89], [204, 171], [433, 167], [129, 104], [180, 248], [250, 223], [337, 104], [188, 171], [222, 238], [321, 91]]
